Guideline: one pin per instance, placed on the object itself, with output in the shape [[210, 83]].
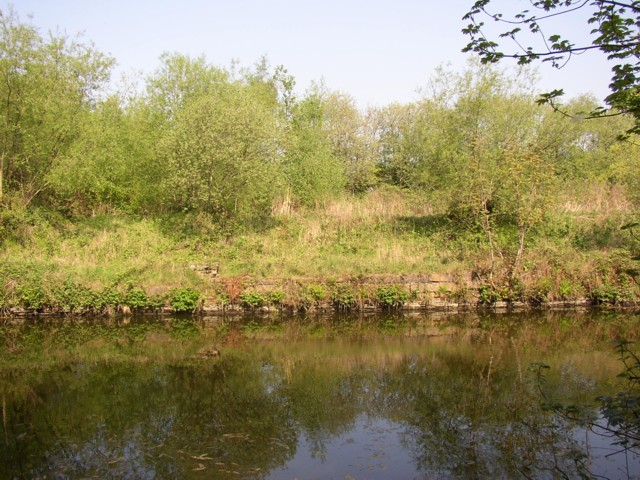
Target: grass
[[579, 249]]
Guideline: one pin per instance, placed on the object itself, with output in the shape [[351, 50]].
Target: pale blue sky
[[378, 51]]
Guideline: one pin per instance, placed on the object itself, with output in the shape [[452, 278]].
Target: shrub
[[136, 299], [276, 297], [252, 299], [185, 300], [33, 297], [343, 297], [391, 296], [316, 293], [488, 294], [609, 294]]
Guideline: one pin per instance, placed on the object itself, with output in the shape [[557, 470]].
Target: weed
[[316, 293], [276, 297], [343, 297], [540, 292], [391, 297], [33, 297], [606, 294], [185, 300], [566, 289], [488, 294], [253, 299]]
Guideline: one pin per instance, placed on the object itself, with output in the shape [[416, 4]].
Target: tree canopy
[[613, 28]]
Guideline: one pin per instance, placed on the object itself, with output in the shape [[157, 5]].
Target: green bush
[[33, 297], [185, 300], [391, 296], [488, 294], [71, 297], [253, 299], [110, 297], [609, 294], [343, 297], [566, 290], [136, 299], [276, 297], [316, 293]]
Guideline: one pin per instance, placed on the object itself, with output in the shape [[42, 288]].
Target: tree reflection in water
[[355, 403]]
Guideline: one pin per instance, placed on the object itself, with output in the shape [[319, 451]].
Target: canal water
[[385, 396]]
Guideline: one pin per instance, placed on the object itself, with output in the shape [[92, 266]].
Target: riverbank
[[239, 295], [388, 249]]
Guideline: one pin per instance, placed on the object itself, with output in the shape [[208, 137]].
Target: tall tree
[[351, 139], [181, 80], [222, 154], [313, 172], [45, 85]]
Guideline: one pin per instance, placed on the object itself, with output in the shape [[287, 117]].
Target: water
[[350, 397]]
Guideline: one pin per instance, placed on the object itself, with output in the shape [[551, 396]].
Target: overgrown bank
[[386, 249], [109, 195]]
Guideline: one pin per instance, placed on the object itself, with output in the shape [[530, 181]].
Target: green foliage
[[71, 297], [489, 294], [33, 297], [313, 172], [46, 84], [100, 190], [351, 139], [343, 296], [185, 299], [606, 294], [179, 81], [276, 297], [566, 289], [316, 293], [540, 291], [253, 299], [221, 155], [614, 32], [391, 297], [113, 163], [138, 300]]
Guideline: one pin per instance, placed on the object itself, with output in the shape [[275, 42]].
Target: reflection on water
[[373, 448], [349, 397]]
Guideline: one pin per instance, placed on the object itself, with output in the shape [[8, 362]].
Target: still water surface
[[349, 397]]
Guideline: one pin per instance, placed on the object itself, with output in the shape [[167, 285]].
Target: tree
[[478, 143], [614, 27], [391, 127], [351, 140], [181, 80], [45, 86], [222, 155], [113, 164], [313, 172]]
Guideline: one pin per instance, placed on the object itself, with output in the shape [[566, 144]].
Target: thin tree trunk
[[486, 225], [516, 262]]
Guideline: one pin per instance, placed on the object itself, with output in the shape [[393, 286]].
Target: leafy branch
[[615, 26]]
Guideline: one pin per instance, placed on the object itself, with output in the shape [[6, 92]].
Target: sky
[[377, 51]]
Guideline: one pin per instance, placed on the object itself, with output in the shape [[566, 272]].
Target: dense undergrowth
[[118, 263]]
